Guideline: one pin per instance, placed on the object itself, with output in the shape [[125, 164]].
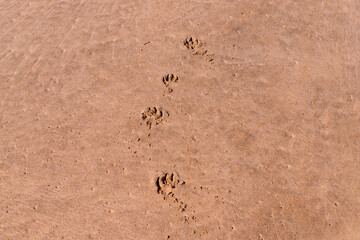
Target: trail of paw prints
[[166, 184], [198, 48], [170, 81], [153, 116]]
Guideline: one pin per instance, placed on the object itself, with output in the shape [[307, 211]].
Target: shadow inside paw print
[[192, 43], [166, 184], [153, 116], [169, 81], [197, 48]]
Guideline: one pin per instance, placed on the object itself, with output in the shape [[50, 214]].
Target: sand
[[180, 119]]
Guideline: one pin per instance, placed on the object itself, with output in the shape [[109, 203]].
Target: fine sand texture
[[180, 119]]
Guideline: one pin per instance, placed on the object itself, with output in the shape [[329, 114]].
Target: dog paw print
[[197, 48], [153, 116], [166, 185], [169, 81]]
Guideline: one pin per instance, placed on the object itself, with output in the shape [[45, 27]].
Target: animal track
[[193, 44], [169, 80], [166, 184], [197, 48], [153, 116]]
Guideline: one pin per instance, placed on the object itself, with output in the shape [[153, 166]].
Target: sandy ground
[[180, 119]]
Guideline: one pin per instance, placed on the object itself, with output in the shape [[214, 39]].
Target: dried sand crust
[[179, 119]]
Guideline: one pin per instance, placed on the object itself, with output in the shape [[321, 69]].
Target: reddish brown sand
[[180, 119]]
